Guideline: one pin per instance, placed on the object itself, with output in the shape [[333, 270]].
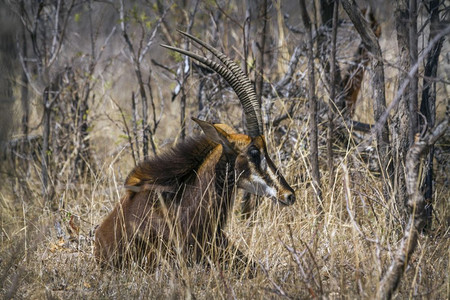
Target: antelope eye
[[254, 152], [255, 155]]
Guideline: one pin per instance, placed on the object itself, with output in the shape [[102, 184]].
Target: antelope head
[[255, 171]]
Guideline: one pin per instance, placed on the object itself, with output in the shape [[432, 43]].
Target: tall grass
[[339, 251]]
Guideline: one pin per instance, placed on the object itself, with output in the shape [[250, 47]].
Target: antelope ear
[[215, 134]]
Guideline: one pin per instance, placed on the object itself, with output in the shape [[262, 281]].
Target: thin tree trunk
[[8, 59], [137, 70], [258, 28], [183, 114], [327, 12], [84, 145], [45, 143], [83, 109], [24, 89], [371, 42], [144, 115], [246, 34], [332, 100], [135, 131], [428, 106], [183, 76], [151, 131], [413, 52], [402, 116], [282, 53], [323, 41], [313, 136]]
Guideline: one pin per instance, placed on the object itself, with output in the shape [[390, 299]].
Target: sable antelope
[[178, 202]]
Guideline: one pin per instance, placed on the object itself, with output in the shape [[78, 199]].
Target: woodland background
[[355, 103]]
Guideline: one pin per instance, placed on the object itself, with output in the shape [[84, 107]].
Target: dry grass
[[340, 254]]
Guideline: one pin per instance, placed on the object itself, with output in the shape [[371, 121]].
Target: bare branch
[[408, 243], [61, 36], [127, 130], [152, 36], [382, 120], [291, 69]]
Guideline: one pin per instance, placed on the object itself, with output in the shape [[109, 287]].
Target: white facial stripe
[[272, 174], [261, 186], [257, 184], [263, 164], [271, 192]]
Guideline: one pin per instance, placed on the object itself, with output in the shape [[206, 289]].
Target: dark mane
[[174, 166]]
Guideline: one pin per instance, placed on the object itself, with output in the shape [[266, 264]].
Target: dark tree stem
[[24, 89], [401, 120], [135, 132], [413, 90], [45, 142], [261, 28], [313, 131], [370, 41], [332, 100], [428, 105]]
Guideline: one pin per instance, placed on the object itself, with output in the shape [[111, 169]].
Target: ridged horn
[[235, 78]]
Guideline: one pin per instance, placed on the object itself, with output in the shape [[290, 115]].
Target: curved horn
[[237, 80]]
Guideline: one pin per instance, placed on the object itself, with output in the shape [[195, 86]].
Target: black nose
[[289, 199]]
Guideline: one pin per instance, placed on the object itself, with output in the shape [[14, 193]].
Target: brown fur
[[177, 204], [171, 192], [177, 201]]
